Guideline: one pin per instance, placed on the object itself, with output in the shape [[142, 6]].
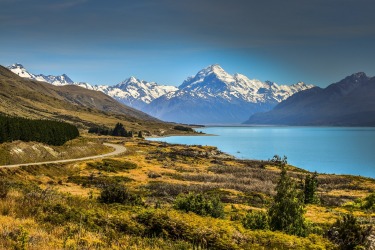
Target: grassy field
[[61, 207]]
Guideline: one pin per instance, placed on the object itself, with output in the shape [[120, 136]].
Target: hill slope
[[84, 107], [349, 102]]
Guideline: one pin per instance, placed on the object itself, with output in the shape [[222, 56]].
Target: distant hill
[[84, 107], [349, 102]]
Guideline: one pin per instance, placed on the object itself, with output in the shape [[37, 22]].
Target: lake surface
[[323, 149]]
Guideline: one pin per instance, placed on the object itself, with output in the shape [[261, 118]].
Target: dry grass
[[242, 185]]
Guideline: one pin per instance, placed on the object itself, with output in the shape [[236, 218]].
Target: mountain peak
[[128, 81], [16, 65], [358, 75], [354, 79], [214, 68]]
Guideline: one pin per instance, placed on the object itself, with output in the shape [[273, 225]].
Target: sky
[[104, 42]]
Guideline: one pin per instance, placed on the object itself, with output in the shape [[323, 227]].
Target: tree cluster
[[45, 131], [118, 130]]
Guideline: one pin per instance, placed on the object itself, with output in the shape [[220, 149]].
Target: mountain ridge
[[214, 96], [348, 102], [211, 96]]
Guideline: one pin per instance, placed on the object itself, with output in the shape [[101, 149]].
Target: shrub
[[255, 220], [153, 175], [348, 233], [110, 165], [4, 188], [200, 204], [116, 193]]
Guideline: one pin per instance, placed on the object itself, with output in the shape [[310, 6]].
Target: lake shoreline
[[330, 150]]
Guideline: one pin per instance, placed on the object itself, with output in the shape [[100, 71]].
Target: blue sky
[[104, 42]]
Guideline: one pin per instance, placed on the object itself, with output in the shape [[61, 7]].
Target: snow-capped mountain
[[55, 80], [214, 96], [211, 96], [137, 93]]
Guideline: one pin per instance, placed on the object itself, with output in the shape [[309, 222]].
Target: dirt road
[[118, 150]]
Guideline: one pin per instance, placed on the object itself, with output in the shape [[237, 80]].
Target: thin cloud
[[65, 4]]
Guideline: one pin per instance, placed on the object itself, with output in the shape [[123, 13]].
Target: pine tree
[[310, 188], [140, 135], [119, 130], [287, 211]]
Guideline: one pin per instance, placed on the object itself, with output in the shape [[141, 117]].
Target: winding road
[[119, 149]]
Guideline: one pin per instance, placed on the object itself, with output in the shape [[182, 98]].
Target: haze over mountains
[[349, 102], [211, 96]]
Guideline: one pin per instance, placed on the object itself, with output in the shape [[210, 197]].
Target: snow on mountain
[[18, 69], [214, 96], [55, 80], [137, 93], [213, 81]]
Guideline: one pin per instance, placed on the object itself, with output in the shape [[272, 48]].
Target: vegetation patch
[[183, 128], [110, 165], [200, 204], [97, 181]]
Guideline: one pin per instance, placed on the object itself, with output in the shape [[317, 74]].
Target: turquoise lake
[[336, 150]]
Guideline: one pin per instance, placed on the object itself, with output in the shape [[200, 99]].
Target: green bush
[[255, 220], [200, 204], [117, 193], [369, 202], [348, 234]]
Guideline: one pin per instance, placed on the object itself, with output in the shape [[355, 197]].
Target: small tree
[[281, 162], [310, 187], [348, 233], [287, 210]]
